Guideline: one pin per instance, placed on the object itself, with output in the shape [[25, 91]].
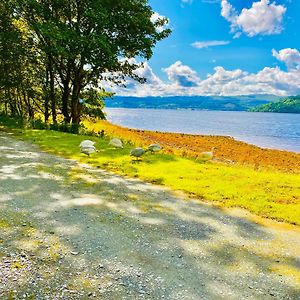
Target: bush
[[38, 124], [70, 128], [10, 122], [54, 127], [18, 122]]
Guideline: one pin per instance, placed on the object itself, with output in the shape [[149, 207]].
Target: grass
[[269, 193]]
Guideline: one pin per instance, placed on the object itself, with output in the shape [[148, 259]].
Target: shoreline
[[226, 149], [278, 132], [204, 135]]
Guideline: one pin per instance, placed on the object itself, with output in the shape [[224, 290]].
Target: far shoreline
[[201, 109], [284, 140]]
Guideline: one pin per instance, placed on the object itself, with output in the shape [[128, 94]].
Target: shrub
[[70, 128], [38, 124], [16, 122]]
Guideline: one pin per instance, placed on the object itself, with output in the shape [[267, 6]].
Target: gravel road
[[69, 231]]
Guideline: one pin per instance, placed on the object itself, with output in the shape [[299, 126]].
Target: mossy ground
[[272, 194]]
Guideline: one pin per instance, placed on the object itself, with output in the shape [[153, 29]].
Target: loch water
[[267, 130]]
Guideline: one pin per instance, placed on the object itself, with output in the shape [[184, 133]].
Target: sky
[[225, 48]]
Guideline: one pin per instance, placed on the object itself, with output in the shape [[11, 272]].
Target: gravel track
[[69, 231]]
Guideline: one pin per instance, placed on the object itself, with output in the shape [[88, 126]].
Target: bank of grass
[[271, 194]]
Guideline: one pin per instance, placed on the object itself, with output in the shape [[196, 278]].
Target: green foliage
[[10, 122], [38, 124], [20, 64], [72, 46], [288, 105], [18, 122], [65, 127], [92, 102], [88, 41]]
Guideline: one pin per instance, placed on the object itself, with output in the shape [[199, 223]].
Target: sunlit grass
[[271, 194]]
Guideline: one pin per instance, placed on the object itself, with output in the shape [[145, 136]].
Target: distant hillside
[[288, 105], [238, 103]]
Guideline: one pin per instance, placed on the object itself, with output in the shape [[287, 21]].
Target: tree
[[92, 103], [87, 41], [10, 39], [20, 65]]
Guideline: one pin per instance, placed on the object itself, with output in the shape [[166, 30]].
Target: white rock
[[117, 143], [86, 143]]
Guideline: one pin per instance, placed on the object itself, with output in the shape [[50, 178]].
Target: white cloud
[[263, 18], [267, 81], [228, 12], [222, 76], [206, 44], [184, 81], [291, 57], [146, 71], [277, 81], [156, 17], [182, 75], [153, 85]]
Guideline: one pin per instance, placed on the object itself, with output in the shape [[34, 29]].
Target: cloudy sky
[[224, 47]]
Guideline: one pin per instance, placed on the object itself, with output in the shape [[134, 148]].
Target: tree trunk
[[65, 102], [52, 92], [19, 106], [46, 105], [75, 104], [6, 102], [46, 112], [66, 94], [5, 107], [12, 103]]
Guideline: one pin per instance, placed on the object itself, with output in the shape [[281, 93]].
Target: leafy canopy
[[102, 35]]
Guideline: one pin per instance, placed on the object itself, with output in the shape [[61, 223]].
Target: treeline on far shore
[[287, 105]]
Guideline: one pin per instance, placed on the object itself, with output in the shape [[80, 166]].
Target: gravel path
[[68, 231]]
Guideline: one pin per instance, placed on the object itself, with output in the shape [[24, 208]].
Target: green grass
[[265, 193]]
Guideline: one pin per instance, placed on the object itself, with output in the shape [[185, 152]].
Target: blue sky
[[224, 47]]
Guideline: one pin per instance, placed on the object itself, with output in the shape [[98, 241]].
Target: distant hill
[[288, 105], [237, 103]]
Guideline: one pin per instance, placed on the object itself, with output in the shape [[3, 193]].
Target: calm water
[[269, 130]]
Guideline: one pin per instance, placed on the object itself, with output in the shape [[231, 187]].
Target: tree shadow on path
[[73, 232]]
